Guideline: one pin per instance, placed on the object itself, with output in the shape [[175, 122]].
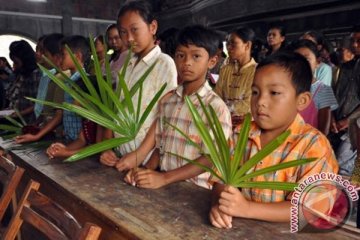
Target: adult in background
[[347, 93]]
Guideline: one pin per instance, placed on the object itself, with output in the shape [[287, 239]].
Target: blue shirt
[[71, 121], [42, 91]]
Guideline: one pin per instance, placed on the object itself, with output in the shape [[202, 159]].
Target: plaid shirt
[[24, 87], [175, 111], [304, 142]]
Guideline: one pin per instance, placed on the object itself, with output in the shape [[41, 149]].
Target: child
[[81, 49], [138, 28], [324, 101], [48, 117], [280, 90], [194, 56]]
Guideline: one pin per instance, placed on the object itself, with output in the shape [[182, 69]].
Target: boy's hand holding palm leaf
[[112, 109], [230, 167]]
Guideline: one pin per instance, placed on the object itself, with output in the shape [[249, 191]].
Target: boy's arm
[[56, 120], [152, 179]]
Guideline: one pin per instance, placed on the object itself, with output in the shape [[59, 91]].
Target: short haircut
[[246, 34], [78, 43], [143, 8], [305, 43], [51, 43], [199, 36], [296, 65]]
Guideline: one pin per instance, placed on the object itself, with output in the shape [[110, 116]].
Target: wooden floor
[[98, 194]]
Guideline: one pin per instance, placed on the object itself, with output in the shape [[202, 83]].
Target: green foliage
[[229, 166], [112, 109], [14, 127]]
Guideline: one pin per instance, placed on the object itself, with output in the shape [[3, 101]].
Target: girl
[[138, 27], [234, 85], [323, 95]]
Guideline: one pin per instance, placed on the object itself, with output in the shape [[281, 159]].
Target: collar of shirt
[[75, 76], [296, 129], [251, 63], [149, 59], [202, 91], [52, 71]]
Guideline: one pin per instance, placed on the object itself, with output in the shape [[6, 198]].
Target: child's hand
[[26, 138], [57, 150], [147, 178], [128, 161], [109, 158], [219, 219], [129, 178], [233, 203]]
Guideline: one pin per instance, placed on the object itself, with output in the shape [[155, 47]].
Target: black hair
[[24, 52], [111, 26], [296, 65], [355, 28], [319, 38], [99, 38], [80, 44], [200, 36], [143, 8], [246, 34], [5, 61], [51, 43], [279, 27], [304, 43], [168, 41]]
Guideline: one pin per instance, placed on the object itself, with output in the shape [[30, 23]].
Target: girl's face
[[274, 37], [17, 64], [114, 40], [310, 56], [135, 32]]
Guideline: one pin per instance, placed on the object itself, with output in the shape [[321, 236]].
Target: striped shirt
[[304, 142], [324, 96], [175, 111], [234, 87]]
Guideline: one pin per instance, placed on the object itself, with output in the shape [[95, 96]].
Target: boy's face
[[55, 59], [135, 31], [192, 62], [274, 103], [66, 61]]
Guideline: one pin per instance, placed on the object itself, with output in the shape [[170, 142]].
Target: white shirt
[[163, 72]]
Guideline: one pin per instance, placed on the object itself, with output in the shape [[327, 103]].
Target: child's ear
[[212, 62], [79, 56], [153, 26], [303, 100], [248, 45]]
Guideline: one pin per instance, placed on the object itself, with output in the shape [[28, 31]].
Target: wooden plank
[[97, 194]]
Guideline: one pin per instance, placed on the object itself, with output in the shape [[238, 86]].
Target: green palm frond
[[100, 103], [229, 166]]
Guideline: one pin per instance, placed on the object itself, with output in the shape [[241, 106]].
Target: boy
[[81, 49], [280, 90], [47, 117], [195, 55]]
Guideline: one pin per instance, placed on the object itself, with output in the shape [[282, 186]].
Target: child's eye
[[134, 30], [179, 55], [254, 92], [122, 32], [274, 93], [196, 56]]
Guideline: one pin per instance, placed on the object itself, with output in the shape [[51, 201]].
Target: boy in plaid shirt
[[281, 89]]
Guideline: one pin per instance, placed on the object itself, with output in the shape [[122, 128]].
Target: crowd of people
[[299, 85]]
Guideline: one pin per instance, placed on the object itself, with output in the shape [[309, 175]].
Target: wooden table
[[98, 194]]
